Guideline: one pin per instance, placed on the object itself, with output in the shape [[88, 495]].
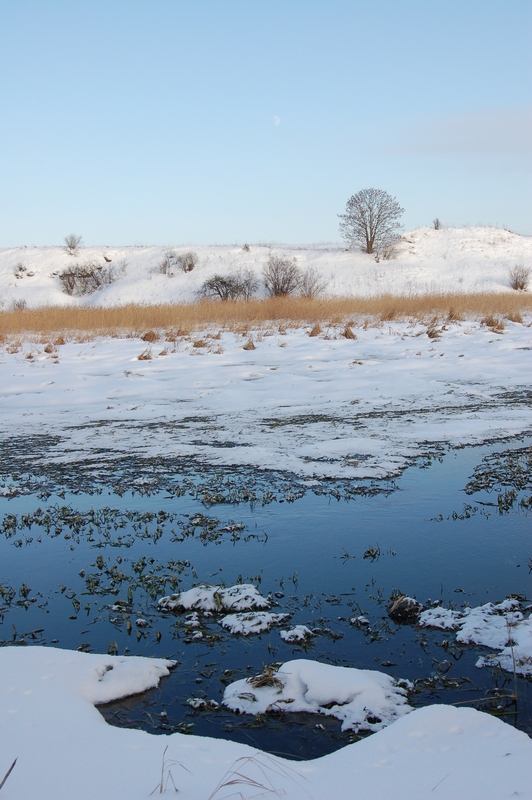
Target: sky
[[138, 122]]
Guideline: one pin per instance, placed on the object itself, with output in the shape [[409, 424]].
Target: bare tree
[[371, 220], [239, 286], [72, 243], [311, 284], [281, 276]]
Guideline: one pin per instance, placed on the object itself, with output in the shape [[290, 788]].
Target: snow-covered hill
[[427, 260]]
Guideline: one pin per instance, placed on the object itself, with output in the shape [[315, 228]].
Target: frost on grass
[[242, 597], [250, 622], [361, 699], [501, 626]]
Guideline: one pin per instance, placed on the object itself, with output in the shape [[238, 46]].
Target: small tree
[[311, 284], [72, 243], [240, 286], [371, 220], [281, 276]]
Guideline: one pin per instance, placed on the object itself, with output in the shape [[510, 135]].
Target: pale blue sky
[[232, 121]]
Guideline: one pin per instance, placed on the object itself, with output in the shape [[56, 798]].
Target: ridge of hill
[[449, 260]]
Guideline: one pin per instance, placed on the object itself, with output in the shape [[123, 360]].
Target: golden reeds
[[174, 321]]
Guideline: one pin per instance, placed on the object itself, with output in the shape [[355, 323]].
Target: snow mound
[[66, 750], [252, 622], [362, 699], [242, 597], [299, 633], [502, 626]]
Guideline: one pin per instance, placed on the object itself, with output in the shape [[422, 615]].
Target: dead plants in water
[[266, 678]]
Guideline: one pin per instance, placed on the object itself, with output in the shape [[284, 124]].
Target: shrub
[[72, 243], [281, 276], [19, 305], [388, 253], [437, 224], [187, 261], [519, 277], [311, 284], [173, 260], [81, 279], [239, 286]]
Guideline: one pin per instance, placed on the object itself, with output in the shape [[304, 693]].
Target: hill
[[426, 261]]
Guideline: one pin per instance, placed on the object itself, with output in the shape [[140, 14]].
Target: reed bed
[[136, 320]]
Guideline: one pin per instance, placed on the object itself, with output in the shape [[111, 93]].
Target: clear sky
[[232, 121]]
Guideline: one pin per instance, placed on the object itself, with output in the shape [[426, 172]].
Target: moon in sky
[[276, 120]]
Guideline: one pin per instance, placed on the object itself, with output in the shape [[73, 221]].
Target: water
[[66, 565]]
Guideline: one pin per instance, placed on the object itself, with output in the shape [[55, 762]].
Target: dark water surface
[[66, 559]]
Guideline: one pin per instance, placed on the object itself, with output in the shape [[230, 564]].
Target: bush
[[311, 284], [519, 277], [388, 253], [187, 261], [281, 276], [72, 243], [437, 224], [240, 286], [86, 278], [172, 261]]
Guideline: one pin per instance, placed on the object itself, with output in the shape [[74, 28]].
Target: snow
[[320, 407], [64, 748], [501, 626], [362, 699], [240, 597], [447, 260], [252, 622], [299, 633]]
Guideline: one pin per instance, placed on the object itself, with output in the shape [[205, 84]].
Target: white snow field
[[65, 749], [322, 406], [447, 260]]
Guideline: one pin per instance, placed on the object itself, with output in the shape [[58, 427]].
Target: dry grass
[[177, 321]]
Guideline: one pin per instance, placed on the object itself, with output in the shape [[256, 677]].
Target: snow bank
[[66, 750], [362, 699]]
